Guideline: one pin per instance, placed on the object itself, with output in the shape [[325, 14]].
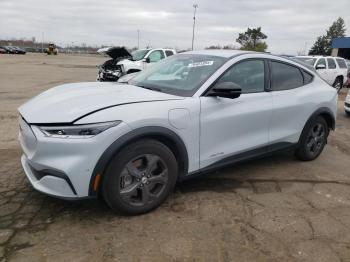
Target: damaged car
[[123, 62]]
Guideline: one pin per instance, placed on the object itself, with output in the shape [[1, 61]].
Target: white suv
[[189, 114], [332, 69]]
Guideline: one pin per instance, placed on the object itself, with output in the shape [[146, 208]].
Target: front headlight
[[77, 131]]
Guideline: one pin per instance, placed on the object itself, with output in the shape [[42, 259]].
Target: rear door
[[289, 89], [332, 70], [343, 68], [233, 126]]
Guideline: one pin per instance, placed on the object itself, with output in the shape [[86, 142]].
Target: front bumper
[[49, 184], [63, 167], [347, 103]]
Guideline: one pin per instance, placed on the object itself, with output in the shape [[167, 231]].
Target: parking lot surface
[[271, 209]]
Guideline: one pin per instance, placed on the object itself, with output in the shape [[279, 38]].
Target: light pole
[[195, 6], [138, 39], [42, 42]]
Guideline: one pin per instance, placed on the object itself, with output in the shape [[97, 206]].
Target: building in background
[[341, 47]]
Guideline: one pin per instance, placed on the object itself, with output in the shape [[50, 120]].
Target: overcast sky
[[289, 24]]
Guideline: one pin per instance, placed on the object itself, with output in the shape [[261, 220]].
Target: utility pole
[[42, 42], [138, 39], [195, 6]]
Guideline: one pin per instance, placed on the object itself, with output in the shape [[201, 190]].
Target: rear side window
[[285, 77], [169, 53], [331, 63], [341, 63]]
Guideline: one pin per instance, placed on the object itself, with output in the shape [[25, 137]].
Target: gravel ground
[[272, 209]]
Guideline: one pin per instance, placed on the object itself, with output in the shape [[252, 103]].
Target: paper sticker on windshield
[[203, 63]]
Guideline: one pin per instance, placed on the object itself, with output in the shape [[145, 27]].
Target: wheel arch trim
[[327, 113], [322, 111], [155, 132]]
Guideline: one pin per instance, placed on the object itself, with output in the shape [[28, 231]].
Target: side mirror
[[226, 89], [321, 66], [147, 60]]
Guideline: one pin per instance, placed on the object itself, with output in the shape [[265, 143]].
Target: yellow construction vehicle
[[52, 49]]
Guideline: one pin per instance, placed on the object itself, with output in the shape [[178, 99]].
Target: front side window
[[321, 61], [285, 77], [180, 74], [341, 63], [249, 75], [139, 54], [331, 63], [155, 56]]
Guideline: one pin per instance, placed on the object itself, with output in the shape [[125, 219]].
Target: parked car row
[[123, 62], [12, 50]]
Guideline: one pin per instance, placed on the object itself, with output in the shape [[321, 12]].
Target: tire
[[347, 113], [140, 177], [338, 84], [313, 139]]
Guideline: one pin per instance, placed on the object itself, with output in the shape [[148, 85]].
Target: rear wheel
[[313, 139], [140, 177]]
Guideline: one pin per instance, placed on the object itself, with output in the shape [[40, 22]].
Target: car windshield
[[307, 60], [179, 74], [139, 54]]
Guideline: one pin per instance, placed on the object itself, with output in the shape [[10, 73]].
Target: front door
[[232, 126], [324, 73]]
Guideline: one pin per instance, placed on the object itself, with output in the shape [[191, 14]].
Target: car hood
[[67, 103], [115, 52]]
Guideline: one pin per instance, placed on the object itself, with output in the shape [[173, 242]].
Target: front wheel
[[140, 177], [312, 140]]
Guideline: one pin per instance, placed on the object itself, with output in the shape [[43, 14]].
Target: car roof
[[149, 49], [317, 56], [219, 52], [233, 53]]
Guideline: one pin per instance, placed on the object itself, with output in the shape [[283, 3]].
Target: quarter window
[[341, 63], [307, 78], [285, 77], [331, 63], [249, 75]]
